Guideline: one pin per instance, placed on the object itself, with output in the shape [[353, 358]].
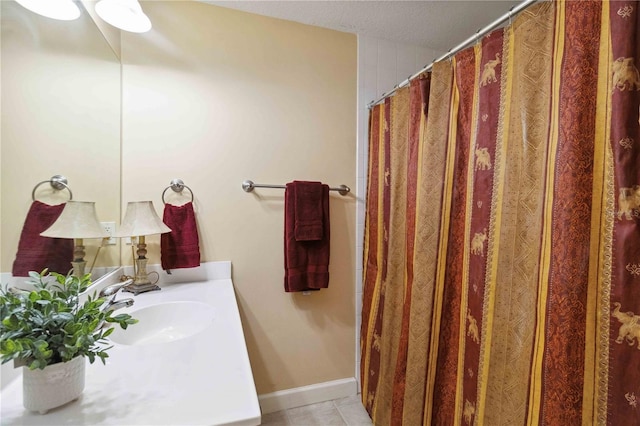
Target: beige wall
[[110, 33], [214, 97], [60, 115]]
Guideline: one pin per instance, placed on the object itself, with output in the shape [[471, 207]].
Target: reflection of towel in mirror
[[35, 252], [180, 247], [306, 261]]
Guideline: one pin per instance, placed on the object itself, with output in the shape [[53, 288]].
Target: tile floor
[[344, 411]]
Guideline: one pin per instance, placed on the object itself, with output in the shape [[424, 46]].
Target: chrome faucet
[[112, 290], [124, 303]]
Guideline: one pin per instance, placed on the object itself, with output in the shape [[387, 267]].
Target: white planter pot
[[54, 386]]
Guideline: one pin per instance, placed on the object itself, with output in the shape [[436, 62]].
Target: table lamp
[[141, 220], [78, 220]]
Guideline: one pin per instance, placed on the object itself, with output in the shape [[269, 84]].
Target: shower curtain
[[502, 239]]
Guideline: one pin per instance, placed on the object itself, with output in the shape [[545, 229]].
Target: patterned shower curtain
[[502, 240]]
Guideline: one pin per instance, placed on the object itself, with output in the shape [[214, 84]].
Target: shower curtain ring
[[510, 15]]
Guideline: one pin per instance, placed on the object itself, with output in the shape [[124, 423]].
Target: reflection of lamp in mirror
[[140, 220], [78, 220], [63, 10], [124, 14]]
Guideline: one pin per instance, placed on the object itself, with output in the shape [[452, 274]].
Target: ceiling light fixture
[[63, 10], [124, 14]]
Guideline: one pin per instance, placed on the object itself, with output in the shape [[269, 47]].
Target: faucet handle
[[112, 289]]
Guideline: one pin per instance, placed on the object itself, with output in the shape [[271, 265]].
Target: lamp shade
[[63, 10], [77, 220], [124, 14], [141, 219]]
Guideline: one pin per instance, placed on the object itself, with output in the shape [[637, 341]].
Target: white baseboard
[[305, 395]]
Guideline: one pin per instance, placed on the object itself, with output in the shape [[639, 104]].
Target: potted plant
[[49, 330]]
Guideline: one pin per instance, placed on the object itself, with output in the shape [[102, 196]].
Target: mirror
[[60, 99]]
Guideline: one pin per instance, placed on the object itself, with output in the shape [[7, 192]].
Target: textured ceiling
[[439, 25]]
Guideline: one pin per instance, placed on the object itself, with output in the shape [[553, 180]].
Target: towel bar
[[58, 182], [248, 186], [177, 185]]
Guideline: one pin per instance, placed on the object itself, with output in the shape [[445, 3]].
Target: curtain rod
[[480, 33]]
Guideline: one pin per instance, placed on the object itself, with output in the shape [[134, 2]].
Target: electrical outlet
[[110, 228]]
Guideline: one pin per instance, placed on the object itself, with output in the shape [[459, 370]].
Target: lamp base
[[78, 268], [141, 283], [137, 288]]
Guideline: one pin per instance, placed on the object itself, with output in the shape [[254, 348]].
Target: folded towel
[[308, 211], [35, 252], [306, 262], [179, 248]]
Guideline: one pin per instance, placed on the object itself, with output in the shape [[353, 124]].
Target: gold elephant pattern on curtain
[[502, 238]]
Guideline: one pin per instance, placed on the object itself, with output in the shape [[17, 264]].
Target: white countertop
[[204, 379]]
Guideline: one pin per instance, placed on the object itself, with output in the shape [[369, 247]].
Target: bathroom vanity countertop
[[204, 379]]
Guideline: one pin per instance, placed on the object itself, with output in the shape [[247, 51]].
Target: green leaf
[[11, 322], [120, 317], [103, 356], [61, 279], [62, 316], [8, 346], [40, 345]]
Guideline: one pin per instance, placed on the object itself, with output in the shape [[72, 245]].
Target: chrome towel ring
[[177, 185], [58, 182]]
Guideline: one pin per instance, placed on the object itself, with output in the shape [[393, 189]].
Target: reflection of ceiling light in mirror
[[64, 10], [124, 14]]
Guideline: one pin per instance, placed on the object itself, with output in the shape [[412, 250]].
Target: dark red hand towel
[[306, 263], [309, 197], [36, 252], [180, 248]]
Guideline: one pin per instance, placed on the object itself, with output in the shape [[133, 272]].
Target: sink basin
[[165, 322]]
